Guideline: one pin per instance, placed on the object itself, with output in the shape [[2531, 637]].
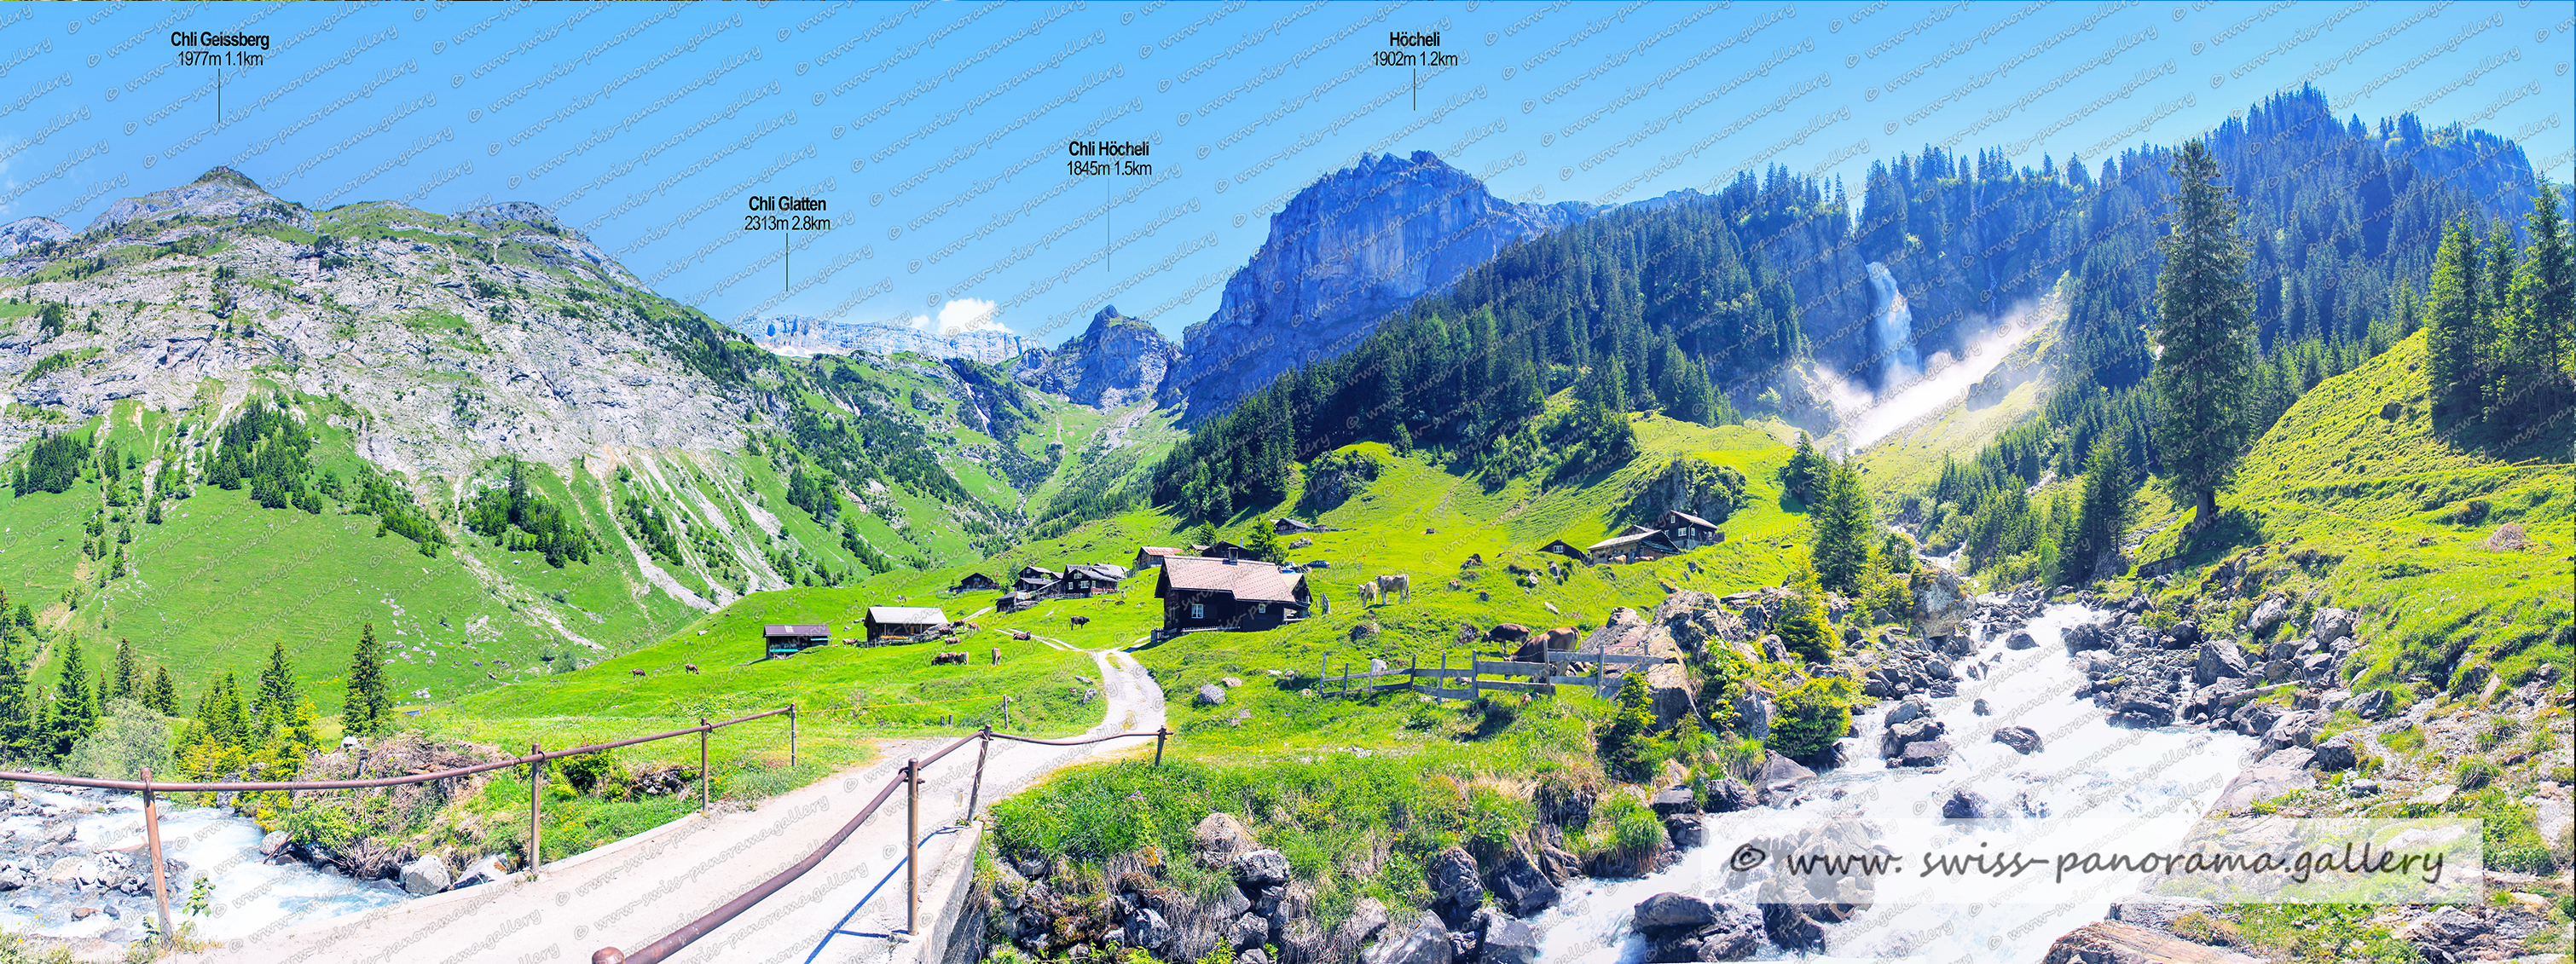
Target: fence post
[[152, 830], [1323, 668], [536, 807], [1442, 686], [975, 794], [1597, 649], [706, 790], [911, 847], [1159, 733], [791, 734]]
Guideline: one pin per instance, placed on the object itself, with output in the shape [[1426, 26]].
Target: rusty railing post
[[1159, 733], [912, 847], [706, 790], [791, 734], [975, 793], [160, 882], [536, 807]]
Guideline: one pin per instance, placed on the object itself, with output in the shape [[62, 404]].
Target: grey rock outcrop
[[1341, 254], [425, 876], [1116, 362]]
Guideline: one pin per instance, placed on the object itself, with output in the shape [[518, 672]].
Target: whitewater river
[[2089, 774], [249, 894]]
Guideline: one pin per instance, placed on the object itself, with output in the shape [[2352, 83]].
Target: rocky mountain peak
[[1342, 253], [29, 232], [221, 195], [1117, 361]]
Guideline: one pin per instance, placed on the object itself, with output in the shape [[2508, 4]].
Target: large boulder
[[1966, 804], [1669, 911], [1562, 804], [1519, 886], [2371, 705], [2218, 659], [2332, 624], [2022, 739], [1925, 753], [2335, 754], [1908, 710], [1754, 710], [2085, 636], [1426, 942], [1508, 941], [1147, 929], [2267, 614], [2116, 942], [1455, 890], [1220, 838], [1209, 695], [1730, 795], [425, 876], [2020, 640], [1367, 919], [2182, 635], [1939, 602], [1259, 869]]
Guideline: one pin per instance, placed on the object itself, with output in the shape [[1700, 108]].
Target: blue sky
[[936, 132]]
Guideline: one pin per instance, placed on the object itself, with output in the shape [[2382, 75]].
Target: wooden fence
[[1523, 676]]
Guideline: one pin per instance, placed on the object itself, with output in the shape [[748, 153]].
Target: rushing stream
[[72, 854], [2087, 769]]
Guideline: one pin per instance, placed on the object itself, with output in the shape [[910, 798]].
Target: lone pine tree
[[2204, 325]]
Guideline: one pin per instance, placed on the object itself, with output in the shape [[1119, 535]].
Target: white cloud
[[968, 314]]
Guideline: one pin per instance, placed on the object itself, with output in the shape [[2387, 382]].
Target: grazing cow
[[637, 672], [1563, 639], [1019, 634], [1079, 621], [1508, 633], [691, 667], [943, 659], [1395, 584], [997, 656], [1453, 585], [1368, 593]]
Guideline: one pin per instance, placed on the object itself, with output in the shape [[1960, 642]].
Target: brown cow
[[1019, 634], [943, 659], [691, 667], [1508, 633], [637, 672]]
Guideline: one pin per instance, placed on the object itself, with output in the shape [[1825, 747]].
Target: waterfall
[[1895, 325]]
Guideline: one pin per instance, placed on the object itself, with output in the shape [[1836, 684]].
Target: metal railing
[[534, 760], [908, 778]]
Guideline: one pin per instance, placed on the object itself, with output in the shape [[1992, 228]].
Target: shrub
[[129, 738], [589, 771], [1812, 716]]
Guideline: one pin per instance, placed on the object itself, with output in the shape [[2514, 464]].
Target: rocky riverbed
[[76, 864]]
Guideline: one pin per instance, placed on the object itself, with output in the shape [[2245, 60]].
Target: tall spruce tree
[[1802, 627], [363, 715], [2205, 374], [276, 696], [75, 706], [161, 694], [128, 675], [2539, 368], [2454, 325], [17, 710], [2102, 515], [1842, 523]]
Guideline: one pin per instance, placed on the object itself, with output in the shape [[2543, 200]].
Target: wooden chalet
[[789, 639], [977, 582], [1087, 579], [1151, 557], [901, 624], [1290, 527], [1674, 533], [1687, 532], [1223, 549], [1200, 592], [1033, 578]]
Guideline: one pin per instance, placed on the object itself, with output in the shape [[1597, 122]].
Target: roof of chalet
[[906, 615], [795, 629], [1691, 519], [1624, 540], [1158, 550], [1248, 580], [1097, 570]]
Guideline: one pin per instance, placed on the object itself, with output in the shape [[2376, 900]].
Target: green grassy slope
[[2356, 498]]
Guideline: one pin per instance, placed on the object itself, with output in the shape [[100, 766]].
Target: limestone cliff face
[[1342, 253], [802, 336], [1118, 361]]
